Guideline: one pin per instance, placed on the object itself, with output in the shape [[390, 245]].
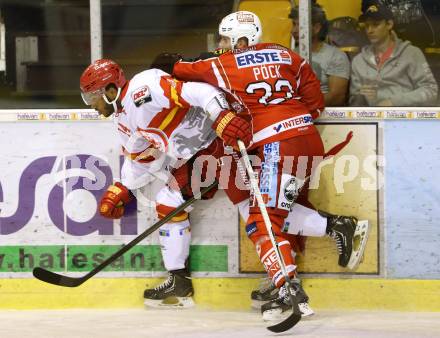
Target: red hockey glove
[[230, 127], [113, 201]]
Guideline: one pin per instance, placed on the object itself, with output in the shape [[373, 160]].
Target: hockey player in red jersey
[[282, 94], [161, 123]]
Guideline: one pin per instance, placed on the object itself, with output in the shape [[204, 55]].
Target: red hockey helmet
[[98, 76]]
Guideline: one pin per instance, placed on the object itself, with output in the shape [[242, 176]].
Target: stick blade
[[293, 318], [286, 324], [56, 279], [361, 232]]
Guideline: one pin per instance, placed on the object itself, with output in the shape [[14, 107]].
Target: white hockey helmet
[[241, 24]]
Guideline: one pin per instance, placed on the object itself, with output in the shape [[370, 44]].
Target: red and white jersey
[[162, 120], [278, 87]]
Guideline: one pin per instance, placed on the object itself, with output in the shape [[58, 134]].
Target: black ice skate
[[265, 293], [175, 291], [351, 238], [274, 309]]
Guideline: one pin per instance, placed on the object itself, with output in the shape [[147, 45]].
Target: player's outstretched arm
[[227, 125]]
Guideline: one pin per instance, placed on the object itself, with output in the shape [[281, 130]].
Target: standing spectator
[[389, 71], [331, 65]]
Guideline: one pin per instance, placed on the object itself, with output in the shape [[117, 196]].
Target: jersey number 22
[[268, 91]]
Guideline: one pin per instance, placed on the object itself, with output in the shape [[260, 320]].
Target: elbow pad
[[216, 106]]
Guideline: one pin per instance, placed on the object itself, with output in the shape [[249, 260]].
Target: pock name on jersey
[[266, 64]]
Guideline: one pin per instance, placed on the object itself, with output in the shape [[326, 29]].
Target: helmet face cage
[[90, 97], [97, 77], [242, 24]]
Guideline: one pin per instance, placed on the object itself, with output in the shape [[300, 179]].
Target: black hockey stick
[[60, 280], [295, 316]]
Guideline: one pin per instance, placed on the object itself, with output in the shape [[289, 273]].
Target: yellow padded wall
[[338, 8], [274, 15], [274, 18]]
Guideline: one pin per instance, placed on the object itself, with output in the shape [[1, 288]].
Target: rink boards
[[226, 293], [52, 222]]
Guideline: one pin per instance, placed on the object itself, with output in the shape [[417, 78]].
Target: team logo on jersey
[[263, 57], [141, 95]]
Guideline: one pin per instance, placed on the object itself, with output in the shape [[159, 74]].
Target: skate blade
[[276, 315], [170, 303], [256, 304], [306, 310], [361, 237]]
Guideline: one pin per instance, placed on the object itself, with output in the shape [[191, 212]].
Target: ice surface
[[198, 323]]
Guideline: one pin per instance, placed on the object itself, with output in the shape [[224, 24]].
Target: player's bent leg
[[264, 297], [268, 258], [256, 231], [349, 233], [175, 237], [177, 290], [305, 222], [267, 292]]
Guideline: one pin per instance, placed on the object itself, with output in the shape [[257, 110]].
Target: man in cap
[[389, 71]]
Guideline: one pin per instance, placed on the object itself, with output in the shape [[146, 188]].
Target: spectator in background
[[331, 65], [389, 71]]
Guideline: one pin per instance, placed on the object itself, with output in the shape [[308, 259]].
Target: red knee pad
[[268, 257], [297, 242], [257, 233]]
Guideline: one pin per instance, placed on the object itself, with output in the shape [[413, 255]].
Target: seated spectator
[[389, 71], [329, 63]]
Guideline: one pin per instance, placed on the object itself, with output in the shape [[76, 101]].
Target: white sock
[[305, 221]]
